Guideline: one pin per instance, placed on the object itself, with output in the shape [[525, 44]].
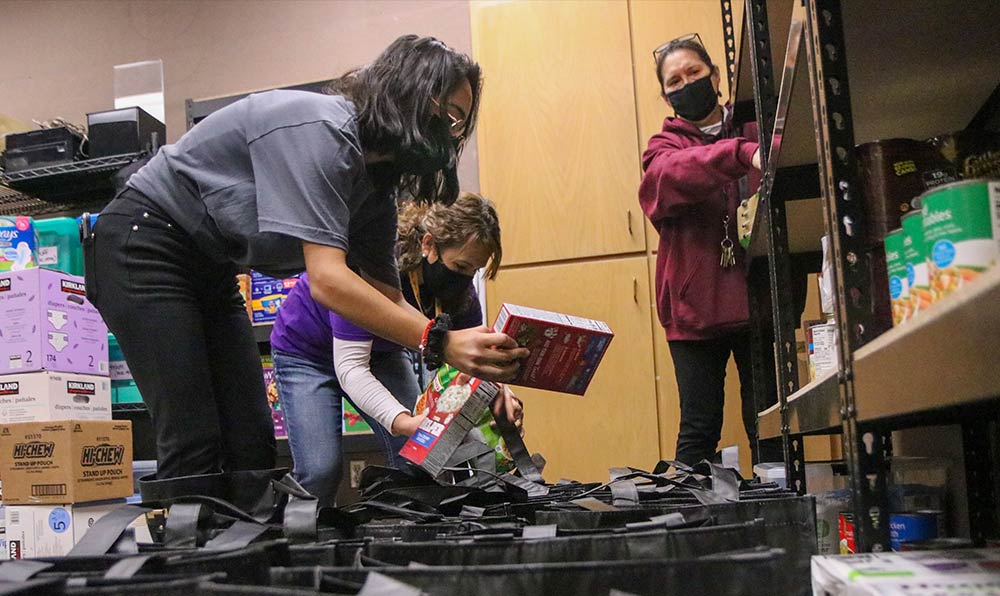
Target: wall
[[59, 55]]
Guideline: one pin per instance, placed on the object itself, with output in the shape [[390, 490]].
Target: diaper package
[[18, 244], [47, 323]]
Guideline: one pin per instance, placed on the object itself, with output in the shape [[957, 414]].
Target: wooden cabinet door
[[557, 128], [616, 422]]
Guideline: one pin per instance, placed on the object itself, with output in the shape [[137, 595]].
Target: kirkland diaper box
[[46, 323], [43, 396], [66, 461], [565, 350], [51, 530], [18, 244], [266, 296]]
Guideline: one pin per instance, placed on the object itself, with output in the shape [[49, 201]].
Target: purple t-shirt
[[306, 328]]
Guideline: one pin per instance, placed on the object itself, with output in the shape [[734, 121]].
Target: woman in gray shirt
[[281, 182]]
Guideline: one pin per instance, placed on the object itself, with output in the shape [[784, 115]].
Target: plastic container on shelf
[[123, 387], [919, 484], [59, 245]]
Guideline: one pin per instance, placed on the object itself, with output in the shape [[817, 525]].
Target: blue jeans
[[311, 400]]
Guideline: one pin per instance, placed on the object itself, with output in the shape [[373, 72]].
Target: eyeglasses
[[457, 126], [669, 45]]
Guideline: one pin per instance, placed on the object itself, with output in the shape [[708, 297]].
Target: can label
[[845, 524], [911, 527], [899, 285], [823, 352], [962, 233], [915, 258]]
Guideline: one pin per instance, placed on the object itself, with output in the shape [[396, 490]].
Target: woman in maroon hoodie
[[690, 191]]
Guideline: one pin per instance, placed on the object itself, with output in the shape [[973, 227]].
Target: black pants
[[700, 367], [182, 325]]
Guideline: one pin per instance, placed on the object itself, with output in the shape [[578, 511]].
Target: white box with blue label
[[47, 323], [51, 530], [18, 244], [43, 396], [267, 294]]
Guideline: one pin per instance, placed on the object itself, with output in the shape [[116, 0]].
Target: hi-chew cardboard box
[[452, 411], [565, 350], [69, 461], [46, 396], [47, 323]]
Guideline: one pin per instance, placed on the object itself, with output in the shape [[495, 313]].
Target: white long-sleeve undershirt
[[352, 361]]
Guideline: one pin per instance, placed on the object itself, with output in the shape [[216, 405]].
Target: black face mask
[[696, 100], [440, 153], [445, 284]]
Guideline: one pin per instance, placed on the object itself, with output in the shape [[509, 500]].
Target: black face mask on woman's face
[[696, 100], [445, 284]]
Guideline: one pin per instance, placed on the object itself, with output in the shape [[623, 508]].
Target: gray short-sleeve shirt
[[253, 180]]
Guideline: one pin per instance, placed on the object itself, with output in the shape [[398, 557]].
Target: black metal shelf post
[[843, 213], [774, 282]]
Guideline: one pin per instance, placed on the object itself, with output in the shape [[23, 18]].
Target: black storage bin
[[757, 573]]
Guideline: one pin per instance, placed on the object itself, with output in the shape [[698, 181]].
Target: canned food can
[[899, 285], [961, 233], [845, 525], [915, 257], [911, 527], [942, 520], [823, 352]]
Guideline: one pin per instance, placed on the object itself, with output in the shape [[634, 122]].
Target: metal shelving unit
[[851, 72], [86, 180]]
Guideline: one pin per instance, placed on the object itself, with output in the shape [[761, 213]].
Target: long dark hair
[[395, 96], [682, 44]]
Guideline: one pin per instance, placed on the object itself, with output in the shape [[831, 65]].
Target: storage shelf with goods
[[851, 73], [80, 181]]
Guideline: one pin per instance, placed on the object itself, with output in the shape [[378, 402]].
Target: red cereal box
[[565, 350]]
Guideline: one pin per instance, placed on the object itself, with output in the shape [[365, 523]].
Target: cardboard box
[[452, 412], [71, 461], [565, 350], [46, 323], [46, 396], [51, 530], [18, 244], [266, 296], [273, 399], [968, 571]]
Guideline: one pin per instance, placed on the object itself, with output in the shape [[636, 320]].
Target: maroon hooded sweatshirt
[[690, 182]]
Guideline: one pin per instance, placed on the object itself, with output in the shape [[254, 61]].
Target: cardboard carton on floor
[[51, 530], [565, 350], [47, 323], [46, 396], [70, 461]]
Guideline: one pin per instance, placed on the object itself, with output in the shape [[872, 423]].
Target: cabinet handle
[[628, 220], [635, 290]]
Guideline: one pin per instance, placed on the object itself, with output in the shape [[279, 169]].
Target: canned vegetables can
[[911, 527], [915, 255], [961, 233], [899, 285]]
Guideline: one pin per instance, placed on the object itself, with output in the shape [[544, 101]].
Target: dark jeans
[[700, 367], [182, 325], [312, 400]]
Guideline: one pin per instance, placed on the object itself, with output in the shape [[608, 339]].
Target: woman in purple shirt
[[320, 357]]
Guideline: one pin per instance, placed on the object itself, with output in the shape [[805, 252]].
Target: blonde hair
[[471, 217]]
